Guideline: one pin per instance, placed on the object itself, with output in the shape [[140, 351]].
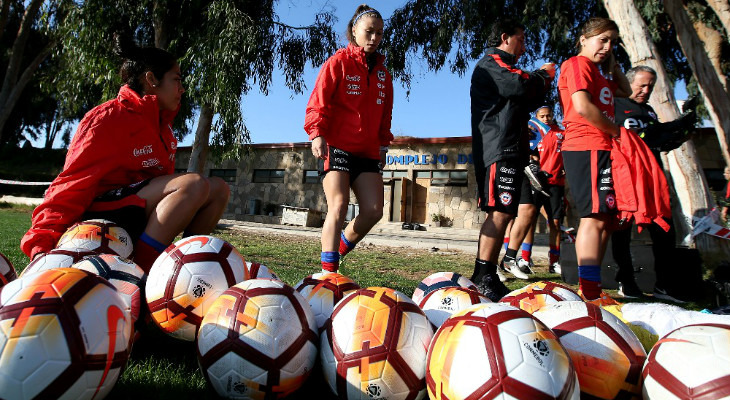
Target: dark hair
[[139, 60], [595, 26], [508, 26], [362, 10], [631, 74]]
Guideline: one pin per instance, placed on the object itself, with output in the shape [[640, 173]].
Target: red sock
[[145, 255], [554, 254], [526, 254], [591, 290]]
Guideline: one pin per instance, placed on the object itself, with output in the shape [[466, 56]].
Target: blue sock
[[589, 278], [330, 261], [145, 238]]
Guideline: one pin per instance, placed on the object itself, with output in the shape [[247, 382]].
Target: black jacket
[[502, 98]]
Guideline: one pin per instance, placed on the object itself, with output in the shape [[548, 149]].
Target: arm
[[316, 120], [512, 82], [623, 88], [585, 107]]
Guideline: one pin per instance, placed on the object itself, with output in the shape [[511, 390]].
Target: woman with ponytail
[[120, 166]]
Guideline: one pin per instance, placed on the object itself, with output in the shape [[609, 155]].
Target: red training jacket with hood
[[118, 143], [351, 107]]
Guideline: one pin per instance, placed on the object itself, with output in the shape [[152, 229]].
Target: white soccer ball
[[691, 362], [256, 270], [498, 351], [258, 340], [539, 294], [440, 304], [323, 291], [375, 345], [185, 280], [7, 271], [440, 280], [57, 258], [97, 235], [64, 334]]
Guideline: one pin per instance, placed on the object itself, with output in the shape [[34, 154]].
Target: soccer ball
[[691, 362], [125, 275], [606, 353], [258, 340], [375, 346], [440, 304], [255, 270], [97, 235], [57, 258], [185, 279], [63, 334], [536, 295], [7, 272], [495, 350], [323, 291], [440, 280]]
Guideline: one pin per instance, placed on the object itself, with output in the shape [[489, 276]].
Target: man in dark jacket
[[501, 98], [634, 113]]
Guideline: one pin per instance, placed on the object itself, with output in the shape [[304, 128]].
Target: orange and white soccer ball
[[64, 335], [440, 304], [7, 271], [185, 280], [440, 280], [97, 235], [374, 346], [498, 351], [607, 354], [691, 362], [323, 291], [539, 294], [125, 275], [57, 258], [256, 270], [258, 340]]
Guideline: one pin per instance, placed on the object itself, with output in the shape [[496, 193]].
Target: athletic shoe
[[663, 294], [555, 268], [536, 178], [525, 266], [501, 276], [630, 290], [490, 286], [511, 266]]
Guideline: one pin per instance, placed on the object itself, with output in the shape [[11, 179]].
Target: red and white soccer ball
[[440, 280], [323, 291], [440, 304], [256, 270], [64, 334], [375, 345], [97, 235], [258, 340], [691, 362], [607, 354], [498, 351], [57, 258], [7, 272], [125, 275], [539, 294], [185, 280]]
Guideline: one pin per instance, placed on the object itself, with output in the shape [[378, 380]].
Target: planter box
[[301, 216]]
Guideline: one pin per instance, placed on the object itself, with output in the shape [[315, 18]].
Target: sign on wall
[[427, 159]]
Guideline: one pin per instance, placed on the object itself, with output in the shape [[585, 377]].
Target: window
[[268, 176], [312, 176], [228, 175], [388, 175], [445, 178]]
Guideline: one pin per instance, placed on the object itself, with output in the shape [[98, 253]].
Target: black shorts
[[502, 187], [555, 204], [340, 160], [591, 182], [527, 194], [123, 207]]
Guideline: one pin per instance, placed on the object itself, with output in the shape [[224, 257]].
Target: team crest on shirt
[[381, 75], [505, 198], [611, 201], [653, 115]]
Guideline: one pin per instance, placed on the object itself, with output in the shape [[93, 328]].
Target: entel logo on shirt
[[606, 97]]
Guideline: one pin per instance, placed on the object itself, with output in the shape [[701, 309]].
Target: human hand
[[319, 147], [550, 69]]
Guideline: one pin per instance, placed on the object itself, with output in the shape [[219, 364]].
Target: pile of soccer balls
[[67, 329]]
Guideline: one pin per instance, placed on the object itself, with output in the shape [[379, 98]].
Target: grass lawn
[[161, 367]]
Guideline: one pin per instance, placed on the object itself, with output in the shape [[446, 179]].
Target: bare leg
[[368, 188], [337, 192], [491, 235], [590, 242], [526, 218]]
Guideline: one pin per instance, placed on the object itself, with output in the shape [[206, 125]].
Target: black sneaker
[[490, 286], [630, 290], [663, 294]]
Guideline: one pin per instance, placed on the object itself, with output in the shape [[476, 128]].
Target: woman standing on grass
[[587, 85], [120, 166], [348, 120]]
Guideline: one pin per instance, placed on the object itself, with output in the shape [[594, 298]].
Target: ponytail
[[140, 60]]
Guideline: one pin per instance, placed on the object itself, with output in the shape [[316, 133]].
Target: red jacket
[[120, 142], [641, 188], [350, 107], [551, 158]]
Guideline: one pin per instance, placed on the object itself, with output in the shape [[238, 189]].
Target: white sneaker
[[515, 270], [525, 266], [501, 276], [555, 268]]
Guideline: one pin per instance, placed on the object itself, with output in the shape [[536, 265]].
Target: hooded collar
[[506, 57], [146, 106], [358, 53]]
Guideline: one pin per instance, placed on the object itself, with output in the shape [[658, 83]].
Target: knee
[[337, 209], [195, 187], [219, 190], [372, 213]]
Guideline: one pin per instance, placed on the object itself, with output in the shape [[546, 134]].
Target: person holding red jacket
[[348, 120], [120, 166]]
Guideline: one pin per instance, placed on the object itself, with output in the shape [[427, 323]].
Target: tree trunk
[[4, 14], [712, 40], [722, 9], [686, 173], [199, 153], [160, 24]]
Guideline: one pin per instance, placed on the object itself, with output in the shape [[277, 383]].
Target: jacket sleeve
[[384, 133], [668, 136], [515, 83], [319, 107], [89, 158]]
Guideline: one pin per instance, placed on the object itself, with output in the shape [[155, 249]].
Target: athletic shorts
[[527, 194], [502, 187], [123, 207], [591, 182], [555, 204], [340, 160]]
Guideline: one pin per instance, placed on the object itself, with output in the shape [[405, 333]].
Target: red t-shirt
[[551, 158], [580, 73]]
